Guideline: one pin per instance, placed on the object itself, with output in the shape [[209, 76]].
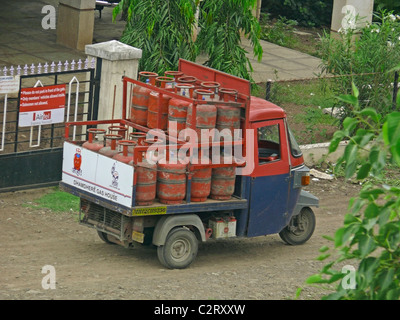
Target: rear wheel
[[300, 228], [180, 249]]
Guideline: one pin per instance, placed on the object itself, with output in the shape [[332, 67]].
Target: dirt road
[[87, 268]]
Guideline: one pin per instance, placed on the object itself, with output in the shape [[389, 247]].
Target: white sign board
[[9, 84], [99, 175]]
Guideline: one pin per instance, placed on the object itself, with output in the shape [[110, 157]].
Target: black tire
[[103, 236], [180, 249], [300, 228]]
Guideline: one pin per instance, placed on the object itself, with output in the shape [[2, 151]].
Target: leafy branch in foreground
[[369, 240]]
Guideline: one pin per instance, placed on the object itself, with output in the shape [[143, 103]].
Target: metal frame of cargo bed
[[207, 206]]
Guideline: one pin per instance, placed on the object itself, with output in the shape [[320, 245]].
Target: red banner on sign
[[42, 105], [42, 98]]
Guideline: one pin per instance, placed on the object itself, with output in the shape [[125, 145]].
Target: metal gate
[[31, 157]]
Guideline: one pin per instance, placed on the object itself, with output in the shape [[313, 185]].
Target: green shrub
[[373, 49], [305, 12], [278, 32], [390, 5]]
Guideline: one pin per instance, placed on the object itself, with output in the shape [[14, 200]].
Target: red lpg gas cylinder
[[127, 151], [201, 183], [212, 86], [175, 75], [120, 130], [206, 115], [223, 182], [110, 150], [146, 183], [171, 182], [94, 144], [228, 117], [158, 103], [140, 99], [116, 130], [138, 137], [177, 109]]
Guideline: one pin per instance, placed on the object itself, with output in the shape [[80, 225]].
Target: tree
[[222, 25], [163, 29]]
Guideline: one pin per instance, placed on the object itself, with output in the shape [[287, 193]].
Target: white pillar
[[75, 23], [351, 14], [117, 60]]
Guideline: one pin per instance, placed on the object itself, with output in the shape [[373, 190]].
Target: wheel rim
[[180, 249], [300, 224]]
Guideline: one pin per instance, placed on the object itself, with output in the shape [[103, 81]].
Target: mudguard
[[167, 223], [306, 199]]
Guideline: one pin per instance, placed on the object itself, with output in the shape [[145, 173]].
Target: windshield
[[294, 147]]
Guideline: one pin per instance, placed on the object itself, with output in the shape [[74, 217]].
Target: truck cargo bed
[[158, 208]]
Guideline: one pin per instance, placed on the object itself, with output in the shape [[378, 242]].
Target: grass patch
[[57, 201], [287, 33], [316, 93], [304, 102]]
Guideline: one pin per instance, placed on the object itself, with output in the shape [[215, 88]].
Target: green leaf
[[366, 138], [395, 150], [329, 238], [316, 278], [349, 124], [350, 153], [355, 91], [349, 99], [366, 245], [391, 129], [371, 211], [371, 113], [336, 277], [337, 138], [298, 292], [385, 279], [324, 256], [323, 249], [339, 237], [393, 294], [349, 218], [366, 270], [363, 171], [350, 169], [371, 194]]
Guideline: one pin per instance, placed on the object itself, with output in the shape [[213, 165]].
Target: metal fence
[[31, 156]]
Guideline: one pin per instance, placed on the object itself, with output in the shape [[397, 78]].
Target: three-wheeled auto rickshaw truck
[[194, 157]]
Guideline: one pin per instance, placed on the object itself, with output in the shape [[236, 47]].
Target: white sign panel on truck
[[97, 174]]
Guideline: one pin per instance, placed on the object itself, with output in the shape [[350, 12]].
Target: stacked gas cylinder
[[167, 180]]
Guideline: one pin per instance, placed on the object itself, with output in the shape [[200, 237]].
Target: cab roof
[[261, 109]]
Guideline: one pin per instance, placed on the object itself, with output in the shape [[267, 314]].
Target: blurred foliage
[[309, 13]]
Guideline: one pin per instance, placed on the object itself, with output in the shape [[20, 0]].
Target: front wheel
[[300, 228], [180, 249]]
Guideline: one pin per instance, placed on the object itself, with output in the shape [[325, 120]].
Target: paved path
[[24, 41]]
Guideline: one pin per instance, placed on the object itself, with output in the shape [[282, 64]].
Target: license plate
[[149, 211], [138, 236]]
